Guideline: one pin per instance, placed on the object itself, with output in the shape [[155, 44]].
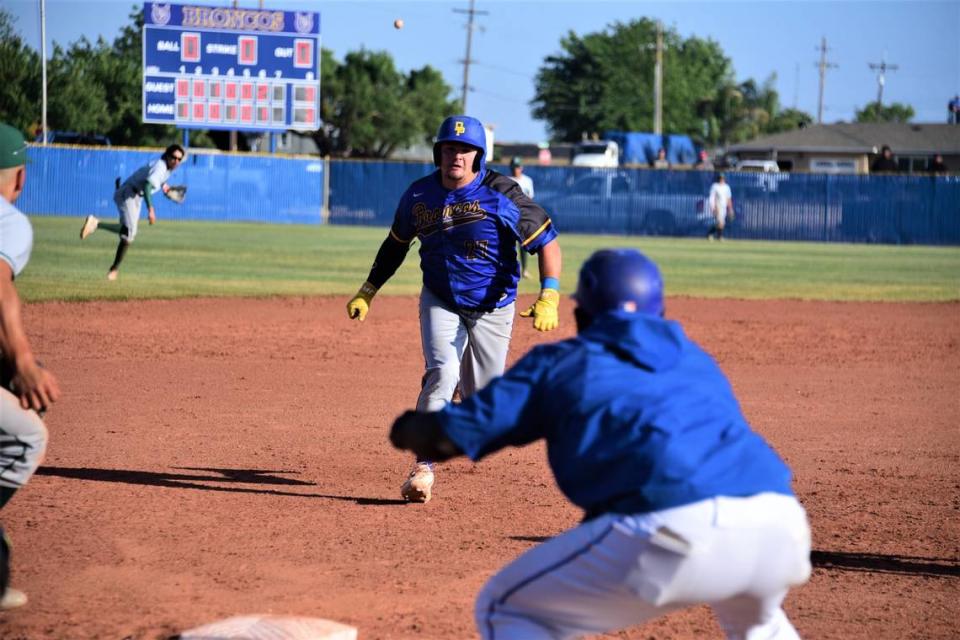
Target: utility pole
[[823, 66], [233, 132], [883, 67], [658, 83], [43, 67], [471, 12]]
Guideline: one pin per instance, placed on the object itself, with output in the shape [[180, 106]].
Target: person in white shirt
[[129, 196], [26, 388], [526, 185], [721, 206]]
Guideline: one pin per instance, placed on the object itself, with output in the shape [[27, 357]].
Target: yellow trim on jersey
[[537, 232], [398, 238]]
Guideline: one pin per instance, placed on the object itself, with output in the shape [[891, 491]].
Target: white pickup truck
[[607, 201], [596, 153]]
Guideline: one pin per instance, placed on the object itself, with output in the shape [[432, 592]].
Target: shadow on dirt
[[206, 482], [876, 563]]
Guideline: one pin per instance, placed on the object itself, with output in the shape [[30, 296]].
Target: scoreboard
[[228, 68]]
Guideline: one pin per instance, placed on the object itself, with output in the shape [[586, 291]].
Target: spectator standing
[[703, 162], [661, 162], [936, 164], [953, 110], [885, 163]]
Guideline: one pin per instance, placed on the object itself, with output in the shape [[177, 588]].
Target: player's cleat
[[112, 275], [527, 275], [89, 226], [12, 598], [419, 485]]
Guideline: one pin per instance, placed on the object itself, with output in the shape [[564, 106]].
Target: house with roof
[[852, 147]]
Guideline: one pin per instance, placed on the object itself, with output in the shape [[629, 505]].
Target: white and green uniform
[[129, 197], [23, 437]]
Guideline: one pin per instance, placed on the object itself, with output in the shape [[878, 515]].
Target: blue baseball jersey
[[636, 417], [468, 237]]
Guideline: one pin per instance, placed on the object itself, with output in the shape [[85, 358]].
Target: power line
[[505, 70], [882, 67], [471, 12], [823, 65]]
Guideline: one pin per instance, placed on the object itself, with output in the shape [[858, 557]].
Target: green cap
[[13, 149], [516, 161]]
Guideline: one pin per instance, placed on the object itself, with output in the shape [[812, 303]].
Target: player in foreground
[[129, 196], [468, 220], [26, 388], [684, 503]]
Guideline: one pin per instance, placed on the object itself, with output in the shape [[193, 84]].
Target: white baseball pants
[[23, 440], [128, 206], [738, 555], [469, 349]]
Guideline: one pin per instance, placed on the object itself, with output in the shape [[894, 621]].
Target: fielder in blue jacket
[[468, 219], [684, 504]]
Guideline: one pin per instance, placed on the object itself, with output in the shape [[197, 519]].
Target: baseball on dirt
[[398, 23]]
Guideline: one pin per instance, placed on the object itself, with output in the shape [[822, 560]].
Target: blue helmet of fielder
[[465, 130], [620, 280]]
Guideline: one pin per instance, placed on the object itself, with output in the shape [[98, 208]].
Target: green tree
[[20, 79], [735, 113], [876, 112], [789, 119], [604, 81], [370, 109]]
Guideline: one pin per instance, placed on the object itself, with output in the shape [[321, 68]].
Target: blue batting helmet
[[465, 130], [620, 280]]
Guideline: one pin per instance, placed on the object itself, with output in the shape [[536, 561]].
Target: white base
[[269, 627]]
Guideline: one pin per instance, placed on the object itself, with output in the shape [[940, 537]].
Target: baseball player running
[[25, 387], [468, 220], [684, 503], [129, 196]]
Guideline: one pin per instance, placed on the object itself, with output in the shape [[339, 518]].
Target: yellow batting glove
[[359, 305], [545, 311]]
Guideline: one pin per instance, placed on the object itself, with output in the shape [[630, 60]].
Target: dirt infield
[[221, 457]]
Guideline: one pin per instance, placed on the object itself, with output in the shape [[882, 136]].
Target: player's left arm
[[151, 212], [546, 310], [537, 235]]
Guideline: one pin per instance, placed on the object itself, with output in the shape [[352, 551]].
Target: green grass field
[[188, 259]]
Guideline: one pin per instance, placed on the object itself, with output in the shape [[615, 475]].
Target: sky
[[512, 38]]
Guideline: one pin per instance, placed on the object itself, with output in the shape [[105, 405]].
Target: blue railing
[[769, 206]]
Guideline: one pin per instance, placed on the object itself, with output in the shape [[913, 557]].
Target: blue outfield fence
[[769, 206], [220, 186]]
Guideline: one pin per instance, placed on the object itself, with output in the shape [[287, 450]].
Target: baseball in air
[[398, 23]]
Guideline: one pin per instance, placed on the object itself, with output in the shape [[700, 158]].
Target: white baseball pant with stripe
[[738, 555]]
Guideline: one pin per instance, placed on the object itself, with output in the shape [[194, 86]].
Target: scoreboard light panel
[[230, 68]]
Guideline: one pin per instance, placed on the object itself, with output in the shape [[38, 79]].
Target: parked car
[[611, 202], [764, 166], [596, 153]]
